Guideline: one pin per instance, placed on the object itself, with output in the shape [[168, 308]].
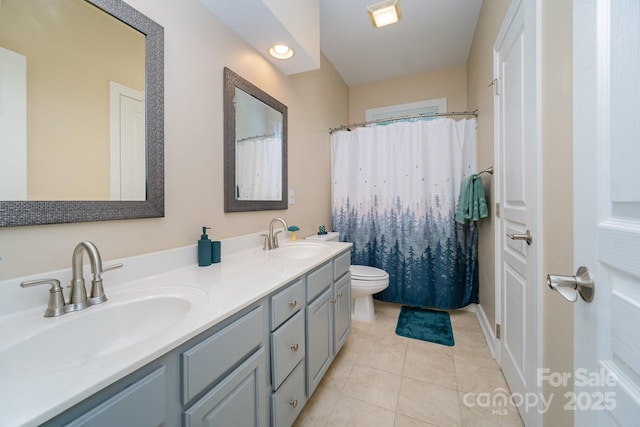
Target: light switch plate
[[292, 197]]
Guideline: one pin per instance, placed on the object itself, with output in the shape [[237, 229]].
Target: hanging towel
[[471, 203]]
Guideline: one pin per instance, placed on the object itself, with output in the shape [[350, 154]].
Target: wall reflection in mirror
[[255, 147], [73, 107]]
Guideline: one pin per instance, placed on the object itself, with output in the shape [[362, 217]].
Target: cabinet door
[[319, 338], [342, 325], [239, 400], [143, 403]]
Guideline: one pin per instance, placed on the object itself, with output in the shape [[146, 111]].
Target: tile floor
[[382, 379]]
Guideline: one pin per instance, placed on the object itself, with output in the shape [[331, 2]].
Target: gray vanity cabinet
[[143, 402], [256, 368], [239, 396], [287, 354], [342, 313], [238, 400], [328, 316]]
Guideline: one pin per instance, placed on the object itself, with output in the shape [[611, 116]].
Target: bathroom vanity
[[248, 347]]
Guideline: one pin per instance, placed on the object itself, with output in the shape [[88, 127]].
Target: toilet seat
[[365, 273]]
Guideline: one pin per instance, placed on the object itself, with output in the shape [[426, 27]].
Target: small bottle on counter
[[204, 249], [215, 251]]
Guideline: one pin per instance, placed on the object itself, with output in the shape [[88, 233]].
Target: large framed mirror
[[82, 128], [255, 147]]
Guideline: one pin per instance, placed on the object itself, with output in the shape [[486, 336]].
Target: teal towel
[[471, 204]]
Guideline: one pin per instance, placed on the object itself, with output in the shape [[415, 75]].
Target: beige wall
[[480, 97], [197, 48], [450, 83], [557, 196], [557, 208]]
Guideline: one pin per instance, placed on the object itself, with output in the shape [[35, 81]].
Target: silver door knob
[[572, 286], [527, 237]]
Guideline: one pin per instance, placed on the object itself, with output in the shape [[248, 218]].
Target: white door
[[517, 182], [127, 134], [607, 211]]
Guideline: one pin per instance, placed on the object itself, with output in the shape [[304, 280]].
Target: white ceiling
[[432, 34]]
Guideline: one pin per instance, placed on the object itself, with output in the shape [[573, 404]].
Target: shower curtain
[[395, 189], [258, 169]]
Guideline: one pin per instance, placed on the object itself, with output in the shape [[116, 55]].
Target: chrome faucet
[[78, 296], [271, 238]]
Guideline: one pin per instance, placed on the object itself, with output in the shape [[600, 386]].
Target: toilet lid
[[363, 272]]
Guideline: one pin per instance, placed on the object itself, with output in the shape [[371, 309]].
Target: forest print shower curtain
[[395, 190]]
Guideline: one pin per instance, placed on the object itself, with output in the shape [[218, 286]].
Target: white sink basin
[[34, 347], [298, 250]]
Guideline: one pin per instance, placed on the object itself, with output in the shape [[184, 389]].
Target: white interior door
[[517, 176], [607, 211], [127, 133]]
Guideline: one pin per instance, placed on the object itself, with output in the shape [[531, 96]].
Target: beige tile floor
[[382, 379]]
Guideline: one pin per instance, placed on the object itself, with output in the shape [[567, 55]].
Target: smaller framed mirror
[[255, 147]]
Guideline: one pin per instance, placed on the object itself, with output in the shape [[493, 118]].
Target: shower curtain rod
[[410, 116]]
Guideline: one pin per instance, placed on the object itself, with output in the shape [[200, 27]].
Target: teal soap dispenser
[[204, 248]]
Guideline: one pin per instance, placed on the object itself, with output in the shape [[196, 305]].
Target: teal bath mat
[[426, 325]]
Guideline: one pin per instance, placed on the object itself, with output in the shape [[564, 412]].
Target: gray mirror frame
[[231, 204], [18, 213]]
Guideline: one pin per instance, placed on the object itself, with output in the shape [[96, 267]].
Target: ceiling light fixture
[[385, 13], [281, 51]]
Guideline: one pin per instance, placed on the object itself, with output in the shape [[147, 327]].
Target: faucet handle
[[266, 243], [97, 295], [111, 267], [56, 304]]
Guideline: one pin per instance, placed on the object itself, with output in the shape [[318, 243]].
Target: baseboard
[[487, 330]]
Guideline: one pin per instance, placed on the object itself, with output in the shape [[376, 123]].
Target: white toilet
[[365, 281]]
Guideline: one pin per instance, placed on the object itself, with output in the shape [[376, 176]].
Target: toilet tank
[[332, 236]]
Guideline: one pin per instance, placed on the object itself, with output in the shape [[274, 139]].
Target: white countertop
[[245, 275]]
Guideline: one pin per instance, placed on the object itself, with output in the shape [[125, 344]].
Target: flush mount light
[[385, 13], [281, 51]]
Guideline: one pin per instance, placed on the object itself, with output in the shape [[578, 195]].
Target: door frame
[[532, 17]]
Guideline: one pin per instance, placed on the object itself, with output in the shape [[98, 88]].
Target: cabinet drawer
[[236, 401], [287, 349], [206, 362], [286, 303], [341, 265], [287, 402], [143, 403], [319, 280]]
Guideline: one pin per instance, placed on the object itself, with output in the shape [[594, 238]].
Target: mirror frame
[[231, 204], [17, 213]]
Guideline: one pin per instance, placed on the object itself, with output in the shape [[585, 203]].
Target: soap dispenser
[[204, 249]]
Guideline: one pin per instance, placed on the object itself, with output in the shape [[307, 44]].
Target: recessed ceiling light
[[385, 13], [281, 51]]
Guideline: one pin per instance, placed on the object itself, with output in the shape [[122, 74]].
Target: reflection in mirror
[[74, 80], [82, 117], [255, 147], [258, 149]]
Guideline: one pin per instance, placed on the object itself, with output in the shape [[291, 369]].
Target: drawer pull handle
[[294, 347], [293, 303], [340, 295], [333, 300], [294, 403]]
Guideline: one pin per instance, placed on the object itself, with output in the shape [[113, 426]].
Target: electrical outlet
[[292, 197]]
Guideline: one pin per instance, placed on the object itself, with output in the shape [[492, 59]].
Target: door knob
[[527, 237], [572, 286]]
